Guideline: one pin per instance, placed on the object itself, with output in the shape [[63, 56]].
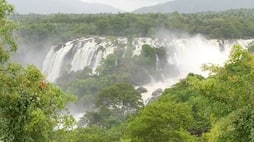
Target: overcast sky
[[128, 5]]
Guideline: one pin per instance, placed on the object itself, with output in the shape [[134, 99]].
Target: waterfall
[[188, 54], [86, 56], [157, 63], [78, 54], [54, 60], [191, 54]]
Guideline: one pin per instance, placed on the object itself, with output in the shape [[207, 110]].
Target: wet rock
[[157, 92], [141, 89]]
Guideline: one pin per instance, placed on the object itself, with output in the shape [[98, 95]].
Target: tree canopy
[[41, 31], [31, 109], [7, 43]]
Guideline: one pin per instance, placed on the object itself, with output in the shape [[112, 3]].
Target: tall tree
[[231, 96], [30, 108], [162, 122], [114, 104], [7, 42]]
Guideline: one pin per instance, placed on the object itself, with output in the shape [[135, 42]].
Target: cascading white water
[[192, 53], [89, 52], [54, 60], [78, 54], [188, 54], [84, 56]]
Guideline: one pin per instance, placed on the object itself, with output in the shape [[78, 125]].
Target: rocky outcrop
[[157, 92], [141, 89]]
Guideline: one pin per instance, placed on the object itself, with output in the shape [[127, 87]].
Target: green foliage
[[184, 92], [7, 43], [150, 62], [120, 97], [109, 65], [103, 117], [162, 122], [149, 53], [115, 103], [61, 27], [30, 109], [216, 109], [230, 93], [87, 88], [90, 134], [41, 31]]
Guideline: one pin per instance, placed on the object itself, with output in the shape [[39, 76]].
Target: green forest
[[218, 108], [58, 28]]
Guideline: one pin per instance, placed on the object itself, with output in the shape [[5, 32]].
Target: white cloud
[[128, 5]]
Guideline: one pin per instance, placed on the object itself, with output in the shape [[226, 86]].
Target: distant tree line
[[61, 27]]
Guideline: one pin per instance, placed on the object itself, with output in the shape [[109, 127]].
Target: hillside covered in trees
[[220, 25]]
